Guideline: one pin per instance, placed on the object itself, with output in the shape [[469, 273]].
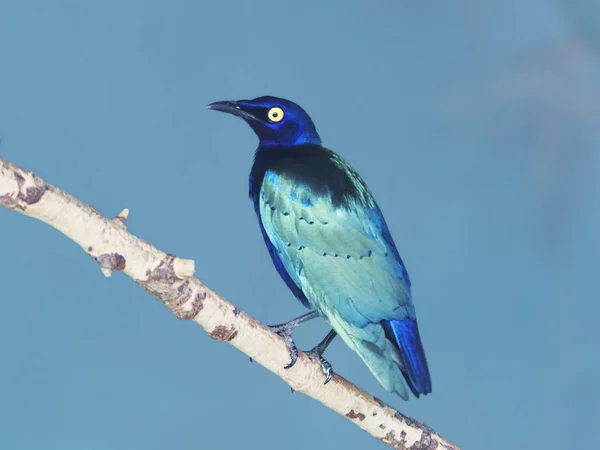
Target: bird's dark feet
[[317, 353], [285, 331], [325, 365]]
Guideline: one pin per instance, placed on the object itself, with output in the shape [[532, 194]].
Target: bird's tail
[[405, 333], [376, 350]]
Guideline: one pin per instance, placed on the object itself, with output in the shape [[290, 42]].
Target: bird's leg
[[317, 353], [285, 331]]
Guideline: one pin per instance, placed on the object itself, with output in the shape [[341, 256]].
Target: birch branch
[[171, 280]]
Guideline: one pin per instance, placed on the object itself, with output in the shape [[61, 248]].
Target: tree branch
[[171, 280]]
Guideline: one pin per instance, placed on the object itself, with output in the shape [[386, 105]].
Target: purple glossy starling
[[330, 243]]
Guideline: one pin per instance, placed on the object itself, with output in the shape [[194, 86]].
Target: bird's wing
[[340, 254]]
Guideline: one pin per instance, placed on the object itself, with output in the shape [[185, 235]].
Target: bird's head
[[276, 121]]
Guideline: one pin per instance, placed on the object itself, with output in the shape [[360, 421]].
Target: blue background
[[474, 122]]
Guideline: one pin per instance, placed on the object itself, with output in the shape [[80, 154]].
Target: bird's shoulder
[[316, 169]]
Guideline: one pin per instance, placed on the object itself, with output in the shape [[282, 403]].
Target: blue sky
[[474, 123]]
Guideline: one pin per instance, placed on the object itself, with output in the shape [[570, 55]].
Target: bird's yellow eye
[[275, 114]]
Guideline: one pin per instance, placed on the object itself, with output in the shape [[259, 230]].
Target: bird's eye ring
[[275, 114]]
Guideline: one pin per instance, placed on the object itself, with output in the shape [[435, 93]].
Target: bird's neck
[[275, 157], [290, 141], [270, 154]]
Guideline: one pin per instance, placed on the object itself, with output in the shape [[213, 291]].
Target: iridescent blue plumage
[[330, 243]]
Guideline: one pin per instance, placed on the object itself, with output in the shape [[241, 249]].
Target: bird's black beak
[[232, 108]]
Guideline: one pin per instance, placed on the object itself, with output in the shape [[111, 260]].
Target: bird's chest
[[293, 217], [304, 230], [290, 222]]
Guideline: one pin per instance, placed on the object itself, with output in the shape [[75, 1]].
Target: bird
[[328, 240]]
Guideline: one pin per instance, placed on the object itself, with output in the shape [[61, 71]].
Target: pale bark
[[171, 280]]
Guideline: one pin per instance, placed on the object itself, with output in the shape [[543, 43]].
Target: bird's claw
[[325, 365], [285, 331], [293, 355], [286, 334]]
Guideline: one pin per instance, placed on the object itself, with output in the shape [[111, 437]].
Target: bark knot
[[112, 261], [353, 415], [25, 195], [223, 333], [193, 307]]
